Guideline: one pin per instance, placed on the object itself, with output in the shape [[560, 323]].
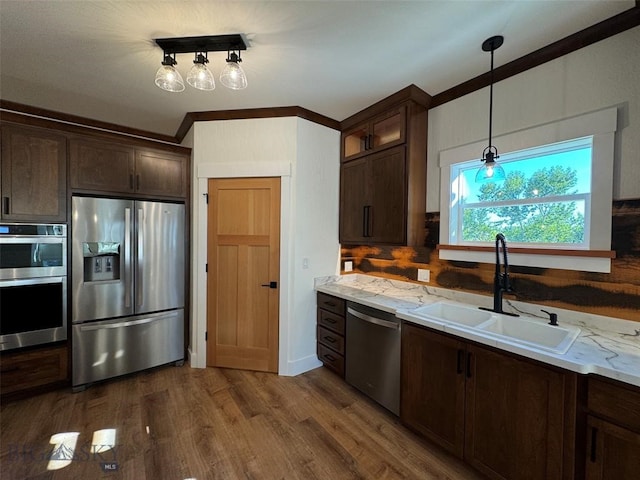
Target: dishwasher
[[372, 362]]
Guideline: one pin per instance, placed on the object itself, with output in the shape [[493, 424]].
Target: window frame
[[601, 126]]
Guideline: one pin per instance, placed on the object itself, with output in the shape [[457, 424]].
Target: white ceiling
[[97, 59]]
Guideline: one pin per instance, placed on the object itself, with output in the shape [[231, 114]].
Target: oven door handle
[[129, 323], [374, 320]]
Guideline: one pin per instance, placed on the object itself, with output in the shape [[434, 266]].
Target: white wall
[[306, 157], [596, 77]]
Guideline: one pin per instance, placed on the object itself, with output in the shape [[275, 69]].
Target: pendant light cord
[[491, 98]]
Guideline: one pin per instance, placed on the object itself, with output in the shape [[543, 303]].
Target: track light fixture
[[200, 77], [491, 171]]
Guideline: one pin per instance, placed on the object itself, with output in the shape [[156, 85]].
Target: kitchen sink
[[555, 339], [452, 313], [525, 331]]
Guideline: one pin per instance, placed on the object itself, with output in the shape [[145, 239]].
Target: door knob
[[270, 284]]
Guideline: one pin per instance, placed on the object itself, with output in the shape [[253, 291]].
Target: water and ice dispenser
[[101, 261]]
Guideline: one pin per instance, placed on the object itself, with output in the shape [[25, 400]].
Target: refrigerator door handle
[[140, 260], [127, 257], [131, 323]]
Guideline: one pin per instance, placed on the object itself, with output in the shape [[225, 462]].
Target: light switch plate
[[348, 266], [424, 275]]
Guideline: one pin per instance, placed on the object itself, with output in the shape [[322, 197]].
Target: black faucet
[[501, 278]]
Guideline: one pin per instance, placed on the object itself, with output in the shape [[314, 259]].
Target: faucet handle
[[553, 317]]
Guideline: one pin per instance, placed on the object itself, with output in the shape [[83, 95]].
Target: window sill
[[580, 260]]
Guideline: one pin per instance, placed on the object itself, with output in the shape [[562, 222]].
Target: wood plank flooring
[[183, 423]]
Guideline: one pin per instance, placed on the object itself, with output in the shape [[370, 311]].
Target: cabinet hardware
[[366, 221], [5, 205], [469, 365], [460, 360], [270, 284], [330, 304], [330, 357], [330, 320], [131, 181], [594, 438], [329, 339], [138, 182]]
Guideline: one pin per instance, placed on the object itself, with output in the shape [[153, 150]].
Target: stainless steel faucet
[[501, 278]]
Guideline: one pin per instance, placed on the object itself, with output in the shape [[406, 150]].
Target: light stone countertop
[[606, 346]]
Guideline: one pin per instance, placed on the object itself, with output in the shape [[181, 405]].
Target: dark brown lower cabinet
[[613, 431], [613, 451], [33, 370], [508, 417]]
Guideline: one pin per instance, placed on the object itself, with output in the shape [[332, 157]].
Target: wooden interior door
[[243, 273]]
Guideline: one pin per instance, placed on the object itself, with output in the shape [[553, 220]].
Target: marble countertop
[[606, 346]]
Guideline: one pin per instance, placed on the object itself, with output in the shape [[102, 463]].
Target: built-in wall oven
[[33, 284]]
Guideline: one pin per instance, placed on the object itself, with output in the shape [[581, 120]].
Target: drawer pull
[[330, 304], [328, 356], [330, 320], [329, 339]]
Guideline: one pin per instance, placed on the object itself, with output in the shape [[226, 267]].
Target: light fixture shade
[[200, 77], [232, 75], [490, 172], [169, 79]]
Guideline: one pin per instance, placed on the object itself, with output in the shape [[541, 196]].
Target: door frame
[[198, 346]]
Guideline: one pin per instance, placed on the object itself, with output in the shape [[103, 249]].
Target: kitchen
[[314, 183]]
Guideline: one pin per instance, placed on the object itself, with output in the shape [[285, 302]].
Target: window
[[544, 201], [554, 207]]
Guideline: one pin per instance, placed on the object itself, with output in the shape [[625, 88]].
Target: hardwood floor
[[183, 423]]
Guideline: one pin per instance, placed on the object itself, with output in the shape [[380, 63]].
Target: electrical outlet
[[348, 266], [424, 275]]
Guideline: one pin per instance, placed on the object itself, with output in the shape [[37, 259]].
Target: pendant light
[[167, 77], [200, 76], [232, 75], [491, 171]]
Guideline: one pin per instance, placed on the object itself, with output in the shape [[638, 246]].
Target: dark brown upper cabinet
[[34, 175], [97, 166], [382, 131], [383, 172]]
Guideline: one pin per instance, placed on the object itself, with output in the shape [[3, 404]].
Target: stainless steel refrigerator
[[128, 284]]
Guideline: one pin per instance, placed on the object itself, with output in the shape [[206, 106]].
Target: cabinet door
[[387, 212], [613, 452], [353, 200], [382, 131], [514, 417], [34, 175], [161, 174], [433, 378], [105, 167]]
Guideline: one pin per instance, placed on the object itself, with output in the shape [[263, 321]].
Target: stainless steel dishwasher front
[[372, 361]]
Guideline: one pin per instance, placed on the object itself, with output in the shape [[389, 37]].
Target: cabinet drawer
[[618, 403], [332, 304], [331, 321], [331, 359], [331, 340], [21, 371]]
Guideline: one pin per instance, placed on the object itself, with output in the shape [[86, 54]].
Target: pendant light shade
[[491, 171], [232, 75], [167, 77], [200, 76]]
